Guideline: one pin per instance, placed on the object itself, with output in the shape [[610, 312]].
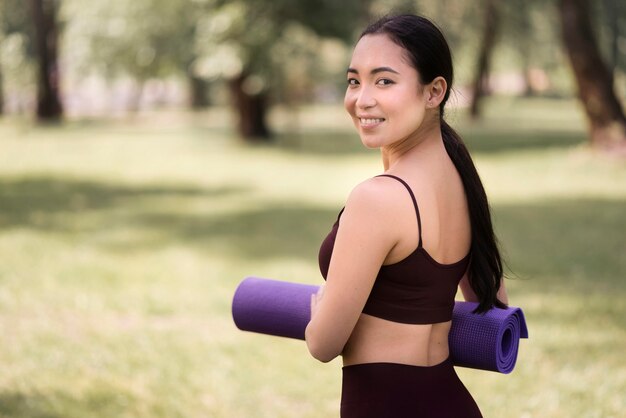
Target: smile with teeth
[[370, 122]]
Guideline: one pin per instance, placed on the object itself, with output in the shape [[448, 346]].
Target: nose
[[365, 98]]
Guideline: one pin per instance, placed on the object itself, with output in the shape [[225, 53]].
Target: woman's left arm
[[470, 296], [364, 238]]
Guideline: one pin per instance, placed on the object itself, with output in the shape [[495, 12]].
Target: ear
[[436, 90]]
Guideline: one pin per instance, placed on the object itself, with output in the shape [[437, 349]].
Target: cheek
[[348, 101], [416, 107], [410, 117]]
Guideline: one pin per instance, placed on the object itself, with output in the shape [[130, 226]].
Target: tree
[[198, 89], [16, 29], [613, 13], [136, 41], [44, 18], [607, 123], [490, 31], [1, 94], [242, 36], [524, 30]]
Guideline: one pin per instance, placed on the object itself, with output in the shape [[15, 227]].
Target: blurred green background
[[194, 143]]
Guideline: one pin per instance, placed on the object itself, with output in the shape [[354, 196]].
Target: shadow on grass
[[50, 203], [20, 405], [489, 142], [107, 403], [321, 143], [65, 206], [278, 231], [577, 243], [478, 140]]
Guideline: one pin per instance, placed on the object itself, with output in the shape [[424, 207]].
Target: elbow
[[320, 354], [319, 349]]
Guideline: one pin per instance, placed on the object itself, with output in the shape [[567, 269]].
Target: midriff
[[376, 340]]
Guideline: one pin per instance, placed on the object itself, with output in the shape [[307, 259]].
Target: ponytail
[[485, 270]]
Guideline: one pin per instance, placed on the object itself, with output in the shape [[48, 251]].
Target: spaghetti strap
[[417, 211]]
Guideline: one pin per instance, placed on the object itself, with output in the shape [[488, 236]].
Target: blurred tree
[[378, 8], [16, 29], [242, 37], [595, 82], [2, 34], [1, 93], [613, 11], [45, 21], [524, 26], [198, 89], [137, 40], [526, 41], [491, 22]]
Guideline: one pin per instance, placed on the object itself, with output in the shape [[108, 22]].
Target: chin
[[370, 142]]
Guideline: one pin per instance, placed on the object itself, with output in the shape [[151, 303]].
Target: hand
[[316, 298]]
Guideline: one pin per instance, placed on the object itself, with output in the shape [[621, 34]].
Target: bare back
[[446, 235]]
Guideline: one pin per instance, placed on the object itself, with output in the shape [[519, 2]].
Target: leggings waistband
[[444, 364]]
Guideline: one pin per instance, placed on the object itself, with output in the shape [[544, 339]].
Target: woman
[[407, 239]]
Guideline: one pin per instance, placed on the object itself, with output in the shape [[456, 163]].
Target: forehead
[[378, 50]]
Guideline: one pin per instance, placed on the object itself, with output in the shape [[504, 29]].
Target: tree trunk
[[1, 93], [44, 17], [607, 123], [198, 92], [613, 14], [525, 45], [490, 26], [251, 108]]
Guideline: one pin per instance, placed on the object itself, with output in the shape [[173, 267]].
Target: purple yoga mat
[[487, 341]]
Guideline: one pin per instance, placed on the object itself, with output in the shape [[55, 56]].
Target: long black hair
[[428, 52]]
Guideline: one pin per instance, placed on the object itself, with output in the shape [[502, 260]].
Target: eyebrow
[[375, 70]]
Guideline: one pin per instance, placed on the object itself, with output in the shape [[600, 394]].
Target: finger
[[320, 292]]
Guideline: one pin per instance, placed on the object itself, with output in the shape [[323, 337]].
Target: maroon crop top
[[415, 290]]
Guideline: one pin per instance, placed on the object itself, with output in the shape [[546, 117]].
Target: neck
[[426, 140]]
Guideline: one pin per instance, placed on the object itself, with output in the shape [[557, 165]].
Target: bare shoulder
[[376, 196], [376, 205]]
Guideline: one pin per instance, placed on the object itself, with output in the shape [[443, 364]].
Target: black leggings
[[389, 390]]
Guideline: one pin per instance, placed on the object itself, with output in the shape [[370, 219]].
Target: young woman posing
[[406, 239]]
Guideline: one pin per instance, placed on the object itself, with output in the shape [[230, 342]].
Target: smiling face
[[385, 98]]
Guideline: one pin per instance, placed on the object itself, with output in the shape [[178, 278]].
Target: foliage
[[294, 50], [278, 43], [16, 48], [16, 18], [141, 39]]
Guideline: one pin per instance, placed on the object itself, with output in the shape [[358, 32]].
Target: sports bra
[[415, 290]]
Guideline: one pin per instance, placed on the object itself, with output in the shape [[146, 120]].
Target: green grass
[[121, 244]]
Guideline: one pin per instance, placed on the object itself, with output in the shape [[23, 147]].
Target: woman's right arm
[[364, 239]]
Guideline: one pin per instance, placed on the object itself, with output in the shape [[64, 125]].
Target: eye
[[384, 82], [353, 82]]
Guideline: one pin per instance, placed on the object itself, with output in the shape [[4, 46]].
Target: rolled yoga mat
[[487, 341]]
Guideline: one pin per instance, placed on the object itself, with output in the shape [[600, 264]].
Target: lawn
[[122, 242]]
